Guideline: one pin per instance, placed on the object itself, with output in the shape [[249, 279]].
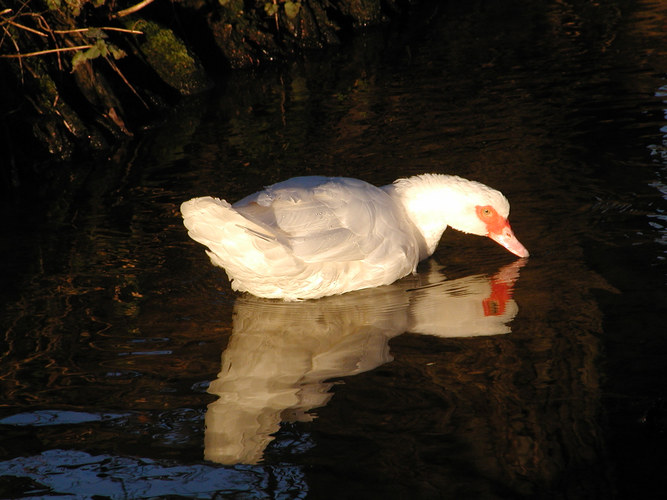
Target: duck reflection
[[282, 356]]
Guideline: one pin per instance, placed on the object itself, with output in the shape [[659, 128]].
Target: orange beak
[[504, 236]]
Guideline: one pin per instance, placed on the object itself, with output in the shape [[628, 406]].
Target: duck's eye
[[486, 213]]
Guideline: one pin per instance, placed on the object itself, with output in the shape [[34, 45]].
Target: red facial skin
[[499, 230], [496, 303]]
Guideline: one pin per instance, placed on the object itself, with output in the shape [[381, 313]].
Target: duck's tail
[[244, 248]]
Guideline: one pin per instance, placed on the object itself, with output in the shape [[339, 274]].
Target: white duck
[[308, 237]]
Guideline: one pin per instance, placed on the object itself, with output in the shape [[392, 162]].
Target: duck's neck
[[433, 202]]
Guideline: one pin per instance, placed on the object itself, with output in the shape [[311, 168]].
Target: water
[[130, 369]]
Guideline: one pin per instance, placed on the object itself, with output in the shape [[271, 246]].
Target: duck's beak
[[505, 237]]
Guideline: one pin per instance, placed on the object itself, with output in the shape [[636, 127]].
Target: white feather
[[308, 237]]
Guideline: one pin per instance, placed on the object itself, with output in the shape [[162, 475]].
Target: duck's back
[[307, 237]]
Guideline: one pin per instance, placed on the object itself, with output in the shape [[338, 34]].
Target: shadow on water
[[114, 323]]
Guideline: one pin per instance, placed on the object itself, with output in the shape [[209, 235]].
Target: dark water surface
[[129, 369]]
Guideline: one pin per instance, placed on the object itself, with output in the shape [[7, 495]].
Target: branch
[[103, 28], [42, 52], [117, 70], [31, 30], [133, 9]]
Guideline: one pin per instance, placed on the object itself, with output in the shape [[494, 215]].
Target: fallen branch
[[42, 52], [18, 49], [117, 70], [23, 27], [103, 28], [133, 9]]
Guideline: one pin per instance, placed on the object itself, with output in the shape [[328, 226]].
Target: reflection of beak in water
[[281, 353]]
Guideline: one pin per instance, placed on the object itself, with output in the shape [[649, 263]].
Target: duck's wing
[[327, 219], [235, 242]]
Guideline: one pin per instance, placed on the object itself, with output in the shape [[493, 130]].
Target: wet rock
[[242, 41], [96, 89], [310, 26], [363, 12], [56, 123], [169, 57]]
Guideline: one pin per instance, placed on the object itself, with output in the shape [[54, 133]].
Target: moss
[[168, 55]]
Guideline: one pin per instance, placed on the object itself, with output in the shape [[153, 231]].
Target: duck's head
[[435, 201], [497, 227]]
